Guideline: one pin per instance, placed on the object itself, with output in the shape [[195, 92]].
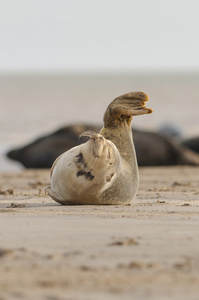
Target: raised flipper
[[125, 107]]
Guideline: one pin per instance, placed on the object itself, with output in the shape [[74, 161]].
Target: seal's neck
[[121, 136]]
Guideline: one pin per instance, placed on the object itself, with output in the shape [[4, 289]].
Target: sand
[[146, 250]]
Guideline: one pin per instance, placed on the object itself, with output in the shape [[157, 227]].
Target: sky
[[105, 35]]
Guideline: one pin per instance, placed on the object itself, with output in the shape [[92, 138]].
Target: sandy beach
[[146, 250], [62, 64]]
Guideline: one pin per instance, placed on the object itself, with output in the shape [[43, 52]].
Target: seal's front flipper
[[126, 106]]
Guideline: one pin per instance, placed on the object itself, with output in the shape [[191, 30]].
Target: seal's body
[[80, 175], [103, 170]]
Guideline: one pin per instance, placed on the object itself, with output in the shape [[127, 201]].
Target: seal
[[103, 170], [192, 144]]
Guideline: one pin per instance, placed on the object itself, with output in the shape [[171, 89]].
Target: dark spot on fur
[[80, 160], [87, 175], [108, 178]]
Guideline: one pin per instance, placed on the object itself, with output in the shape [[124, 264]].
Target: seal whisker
[[88, 133]]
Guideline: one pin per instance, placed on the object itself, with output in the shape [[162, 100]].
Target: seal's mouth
[[95, 155]]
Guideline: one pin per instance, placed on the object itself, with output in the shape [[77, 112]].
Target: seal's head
[[98, 147]]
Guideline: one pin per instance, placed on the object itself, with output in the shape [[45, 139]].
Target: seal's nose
[[97, 136]]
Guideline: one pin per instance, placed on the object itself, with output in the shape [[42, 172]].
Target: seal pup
[[103, 170]]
